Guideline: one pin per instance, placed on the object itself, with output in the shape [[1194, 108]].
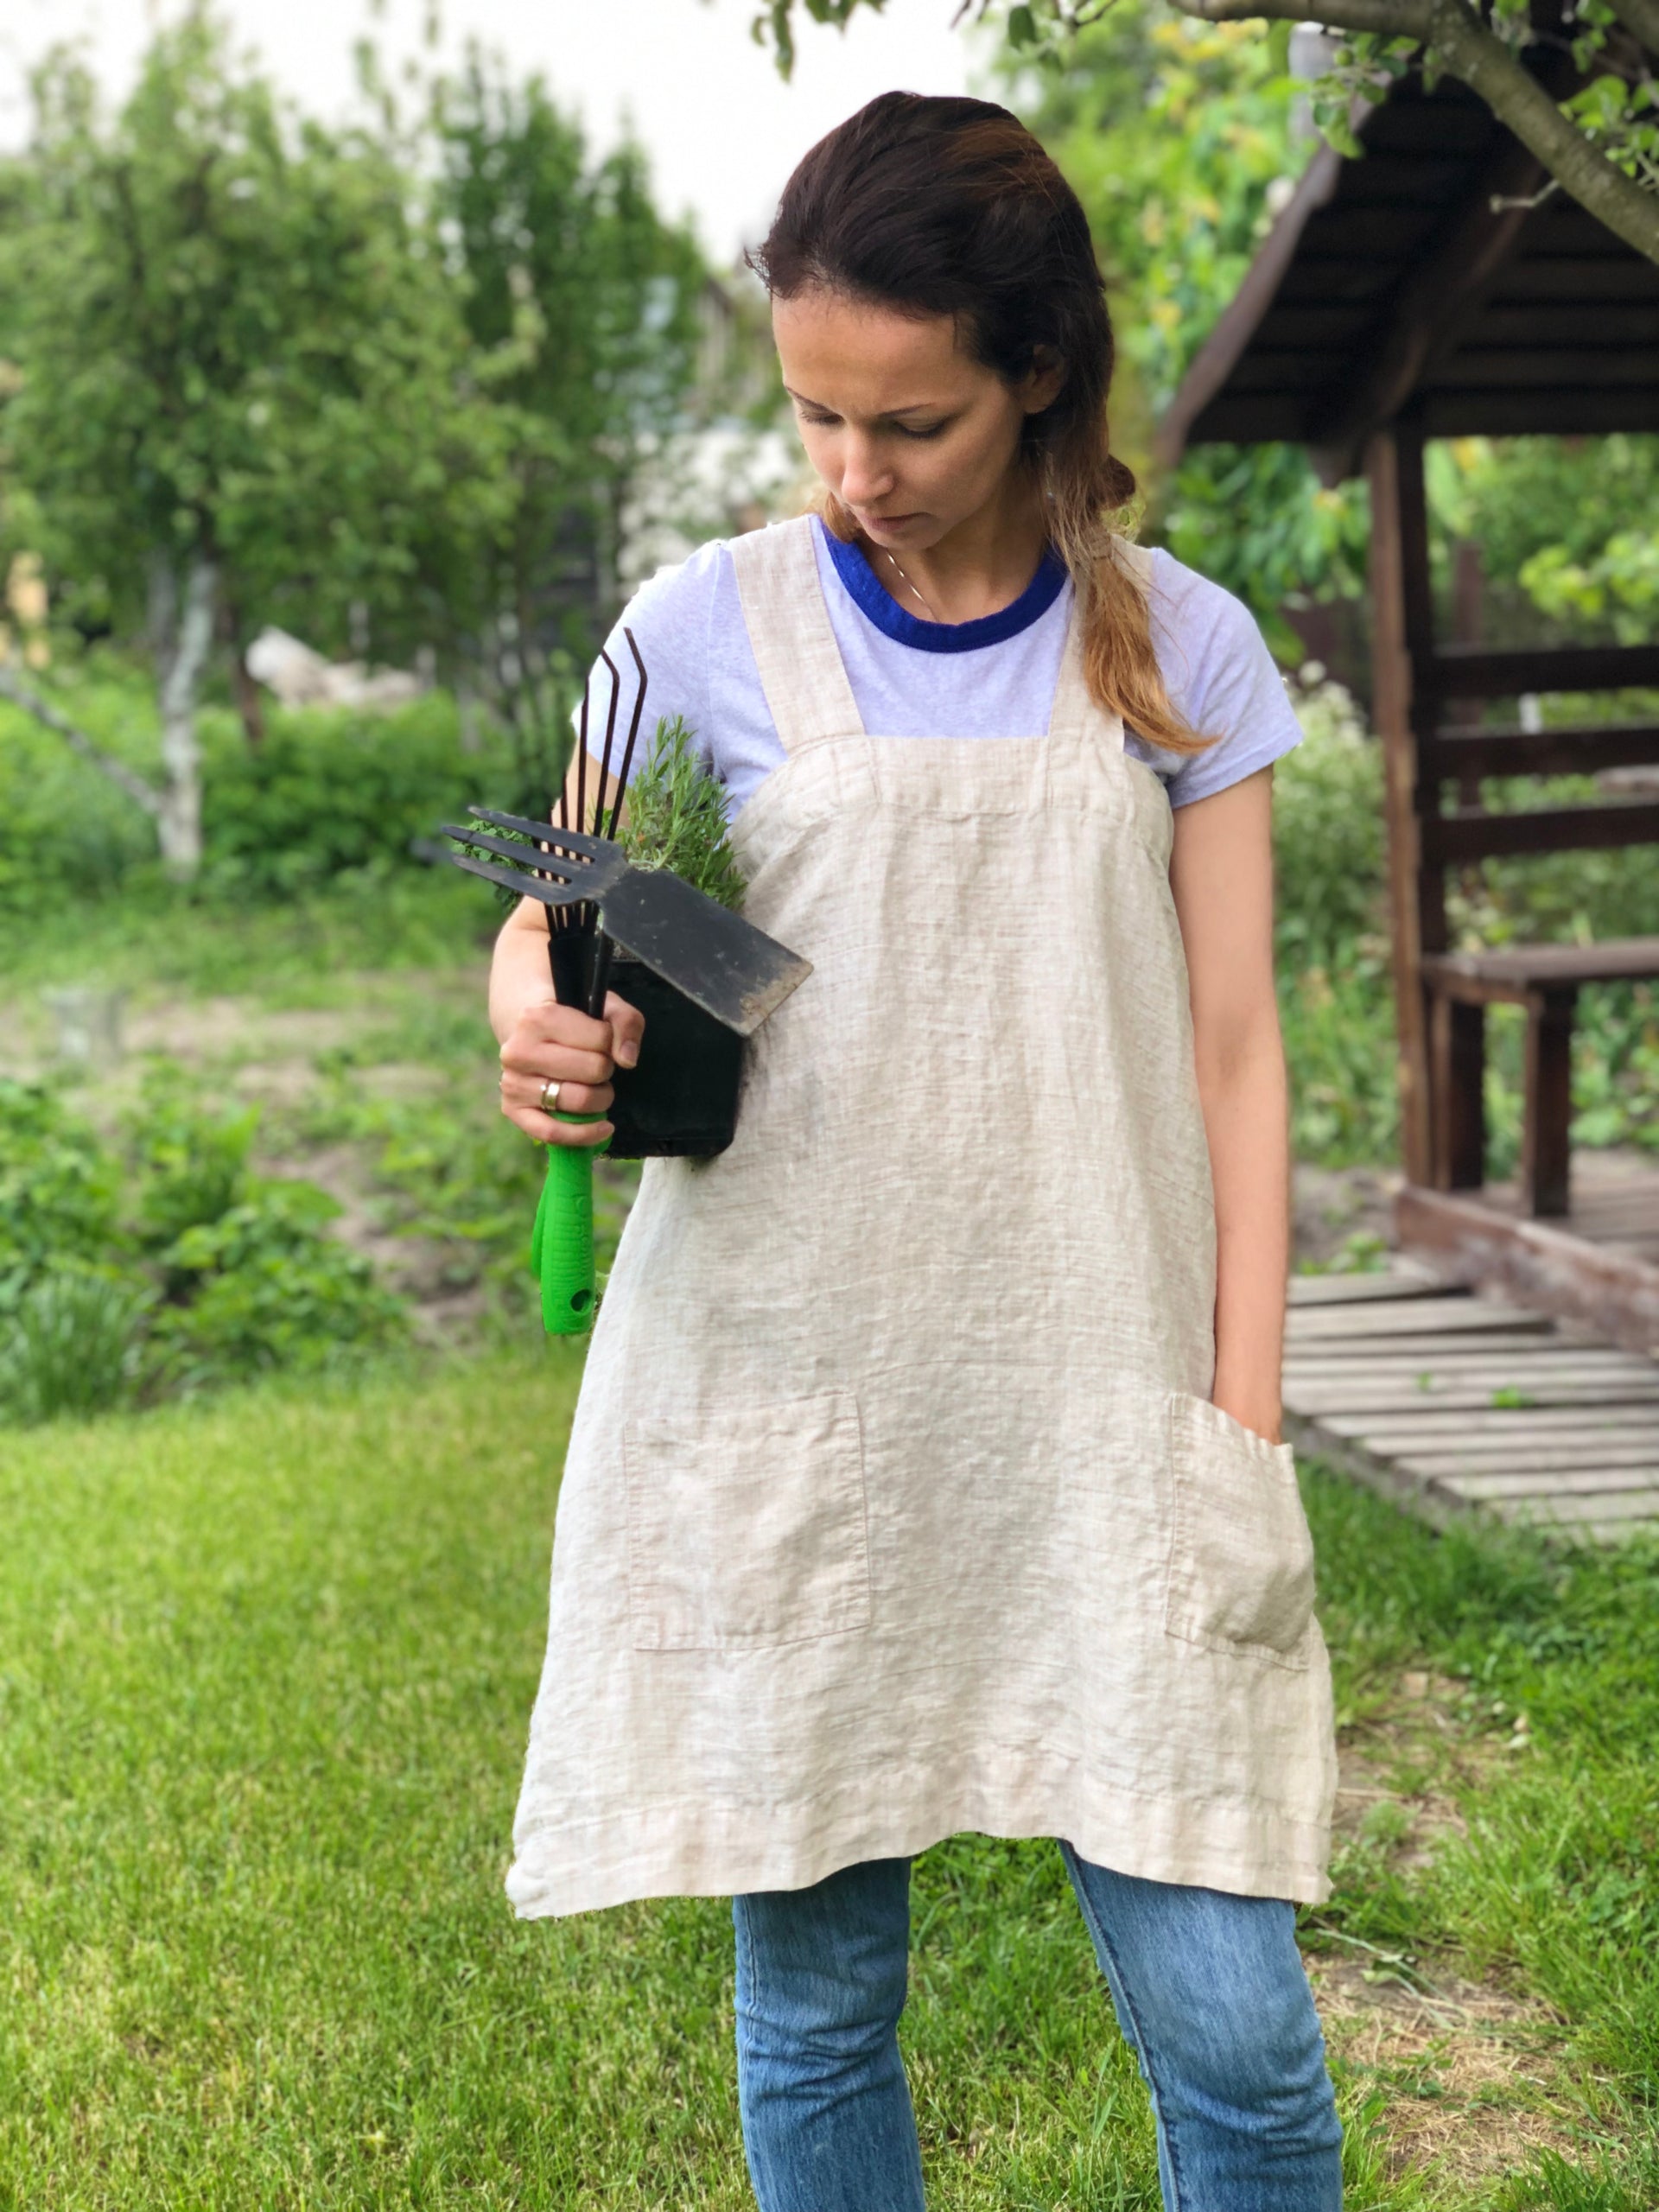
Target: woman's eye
[[818, 421], [909, 430]]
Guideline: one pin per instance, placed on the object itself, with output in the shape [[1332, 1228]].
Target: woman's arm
[[1221, 872], [542, 1041]]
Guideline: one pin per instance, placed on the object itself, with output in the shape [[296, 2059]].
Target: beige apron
[[895, 1504]]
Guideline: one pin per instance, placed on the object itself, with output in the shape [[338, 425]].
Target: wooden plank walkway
[[1449, 1401]]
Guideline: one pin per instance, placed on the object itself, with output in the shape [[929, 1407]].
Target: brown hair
[[939, 206]]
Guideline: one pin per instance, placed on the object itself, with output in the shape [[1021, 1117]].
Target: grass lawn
[[265, 1667]]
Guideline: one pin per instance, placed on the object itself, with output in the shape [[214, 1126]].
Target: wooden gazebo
[[1436, 289]]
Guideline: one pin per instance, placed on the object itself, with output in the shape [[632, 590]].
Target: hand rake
[[596, 898]]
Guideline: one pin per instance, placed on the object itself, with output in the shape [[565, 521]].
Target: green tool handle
[[561, 1243]]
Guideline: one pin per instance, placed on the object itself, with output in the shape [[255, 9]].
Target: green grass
[[265, 1667], [309, 948]]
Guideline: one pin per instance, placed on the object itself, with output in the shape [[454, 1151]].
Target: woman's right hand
[[560, 1044]]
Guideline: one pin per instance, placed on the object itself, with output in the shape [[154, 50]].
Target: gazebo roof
[[1392, 283]]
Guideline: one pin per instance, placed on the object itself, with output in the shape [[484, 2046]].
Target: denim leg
[[1211, 1989], [821, 1977]]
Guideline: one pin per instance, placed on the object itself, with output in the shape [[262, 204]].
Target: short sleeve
[[1221, 679]]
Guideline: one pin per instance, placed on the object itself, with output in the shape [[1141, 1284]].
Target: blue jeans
[[1209, 1991]]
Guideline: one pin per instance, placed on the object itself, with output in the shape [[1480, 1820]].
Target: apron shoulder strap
[[1075, 714], [801, 672]]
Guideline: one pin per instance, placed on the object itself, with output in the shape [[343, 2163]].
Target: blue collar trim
[[875, 600]]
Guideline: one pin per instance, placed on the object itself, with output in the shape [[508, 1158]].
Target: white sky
[[721, 130]]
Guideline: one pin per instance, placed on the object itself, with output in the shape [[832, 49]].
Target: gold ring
[[550, 1100]]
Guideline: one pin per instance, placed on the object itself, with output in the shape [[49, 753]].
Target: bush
[[1328, 834], [64, 831], [329, 791]]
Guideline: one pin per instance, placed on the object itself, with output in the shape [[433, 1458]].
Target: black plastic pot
[[680, 1102]]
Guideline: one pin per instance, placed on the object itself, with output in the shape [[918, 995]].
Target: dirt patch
[[1471, 2070], [420, 1268], [1471, 2073], [197, 1029]]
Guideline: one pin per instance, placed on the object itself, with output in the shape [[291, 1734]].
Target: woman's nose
[[865, 476]]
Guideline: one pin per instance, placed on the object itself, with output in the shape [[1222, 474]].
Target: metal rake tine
[[532, 886], [564, 870], [544, 833], [610, 734], [582, 755], [633, 731]]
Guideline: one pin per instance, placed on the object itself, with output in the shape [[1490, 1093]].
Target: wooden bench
[[1546, 980]]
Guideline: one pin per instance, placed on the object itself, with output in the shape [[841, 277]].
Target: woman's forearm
[[1245, 1113], [519, 975]]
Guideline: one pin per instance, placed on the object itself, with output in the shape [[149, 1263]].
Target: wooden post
[[1457, 1042], [1402, 643], [1546, 1146]]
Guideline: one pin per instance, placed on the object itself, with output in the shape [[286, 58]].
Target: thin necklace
[[909, 586]]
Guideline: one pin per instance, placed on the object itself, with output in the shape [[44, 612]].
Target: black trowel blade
[[722, 964]]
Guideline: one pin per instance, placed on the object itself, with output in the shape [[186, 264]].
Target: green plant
[[60, 1190], [1328, 834], [265, 1287], [677, 817], [193, 1163], [162, 1262], [69, 1345]]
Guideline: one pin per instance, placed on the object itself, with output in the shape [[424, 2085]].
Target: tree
[[239, 380], [1599, 139], [582, 307]]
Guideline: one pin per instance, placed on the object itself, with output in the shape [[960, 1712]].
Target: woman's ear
[[1040, 386]]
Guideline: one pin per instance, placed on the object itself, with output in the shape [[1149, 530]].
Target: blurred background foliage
[[1183, 140], [404, 388]]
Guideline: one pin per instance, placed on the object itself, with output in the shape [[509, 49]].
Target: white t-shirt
[[995, 677]]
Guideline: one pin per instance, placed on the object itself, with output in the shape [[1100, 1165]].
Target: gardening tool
[[597, 897]]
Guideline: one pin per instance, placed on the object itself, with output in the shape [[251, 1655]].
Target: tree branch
[[1641, 19], [1380, 18], [1467, 50], [127, 780], [1470, 51]]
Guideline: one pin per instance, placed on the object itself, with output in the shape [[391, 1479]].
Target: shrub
[[1328, 833], [330, 791], [64, 831]]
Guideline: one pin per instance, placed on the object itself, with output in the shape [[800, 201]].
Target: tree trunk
[[183, 635]]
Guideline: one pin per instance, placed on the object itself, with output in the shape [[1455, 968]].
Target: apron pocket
[[747, 1528], [1240, 1565]]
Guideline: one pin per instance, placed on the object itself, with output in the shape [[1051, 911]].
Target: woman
[[926, 1473]]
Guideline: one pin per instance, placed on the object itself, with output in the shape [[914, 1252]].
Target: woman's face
[[912, 435]]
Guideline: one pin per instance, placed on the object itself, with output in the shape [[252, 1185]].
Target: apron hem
[[708, 1849]]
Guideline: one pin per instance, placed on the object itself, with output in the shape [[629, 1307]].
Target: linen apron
[[895, 1504]]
